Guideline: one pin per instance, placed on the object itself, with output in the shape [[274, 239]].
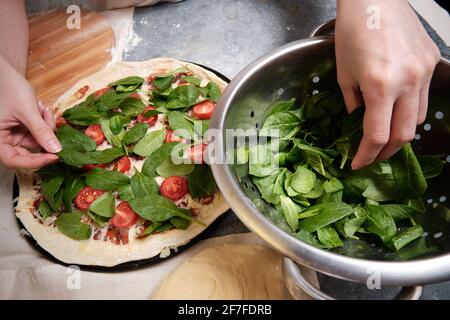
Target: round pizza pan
[[131, 265]]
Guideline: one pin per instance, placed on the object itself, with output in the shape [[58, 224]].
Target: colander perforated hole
[[252, 114], [316, 79], [253, 189], [315, 92], [246, 185], [257, 125]]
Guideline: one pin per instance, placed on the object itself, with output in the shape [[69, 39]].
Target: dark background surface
[[227, 35]]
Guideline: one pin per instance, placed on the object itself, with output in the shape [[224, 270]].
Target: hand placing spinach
[[105, 137], [322, 200]]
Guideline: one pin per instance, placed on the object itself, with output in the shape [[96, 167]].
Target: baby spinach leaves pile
[[305, 173], [113, 111]]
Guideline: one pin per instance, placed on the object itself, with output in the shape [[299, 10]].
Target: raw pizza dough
[[228, 271], [105, 253]]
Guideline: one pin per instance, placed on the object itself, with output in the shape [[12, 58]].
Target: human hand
[[25, 124], [388, 69]]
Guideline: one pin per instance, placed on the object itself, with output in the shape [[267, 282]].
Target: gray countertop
[[228, 35]]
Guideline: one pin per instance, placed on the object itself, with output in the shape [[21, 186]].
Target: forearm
[[14, 34]]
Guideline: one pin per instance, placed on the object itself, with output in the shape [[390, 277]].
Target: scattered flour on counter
[[133, 40]]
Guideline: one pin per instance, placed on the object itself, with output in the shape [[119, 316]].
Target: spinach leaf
[[351, 226], [152, 228], [104, 205], [71, 138], [180, 223], [281, 106], [130, 108], [50, 188], [328, 214], [309, 238], [149, 143], [261, 162], [316, 191], [104, 179], [156, 158], [178, 122], [212, 91], [82, 115], [407, 236], [142, 185], [157, 208], [99, 220], [57, 169], [183, 97], [283, 122], [316, 158], [201, 182], [380, 223], [127, 84], [408, 173], [72, 186], [163, 83], [266, 186], [115, 124], [70, 225], [106, 155], [329, 237], [192, 80], [400, 212], [431, 165], [136, 133], [167, 168], [76, 158], [125, 193], [45, 210], [290, 211], [110, 100], [303, 180]]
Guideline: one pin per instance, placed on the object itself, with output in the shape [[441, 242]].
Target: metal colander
[[292, 71]]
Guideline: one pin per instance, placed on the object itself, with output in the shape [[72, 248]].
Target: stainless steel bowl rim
[[391, 273]]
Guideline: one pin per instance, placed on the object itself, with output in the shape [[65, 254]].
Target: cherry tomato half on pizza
[[86, 196], [174, 188], [125, 217]]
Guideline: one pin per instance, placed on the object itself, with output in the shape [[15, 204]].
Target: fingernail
[[355, 166], [54, 146]]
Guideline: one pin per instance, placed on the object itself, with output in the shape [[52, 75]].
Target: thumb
[[40, 130]]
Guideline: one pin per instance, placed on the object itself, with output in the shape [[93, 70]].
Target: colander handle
[[297, 285], [325, 29]]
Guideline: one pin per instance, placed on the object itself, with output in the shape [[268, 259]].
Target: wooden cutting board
[[59, 57]]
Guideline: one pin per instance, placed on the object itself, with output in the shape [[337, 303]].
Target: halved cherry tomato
[[204, 110], [151, 78], [60, 122], [86, 196], [100, 92], [123, 164], [196, 153], [150, 121], [173, 188], [95, 132], [89, 167], [125, 216], [170, 137], [81, 92]]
